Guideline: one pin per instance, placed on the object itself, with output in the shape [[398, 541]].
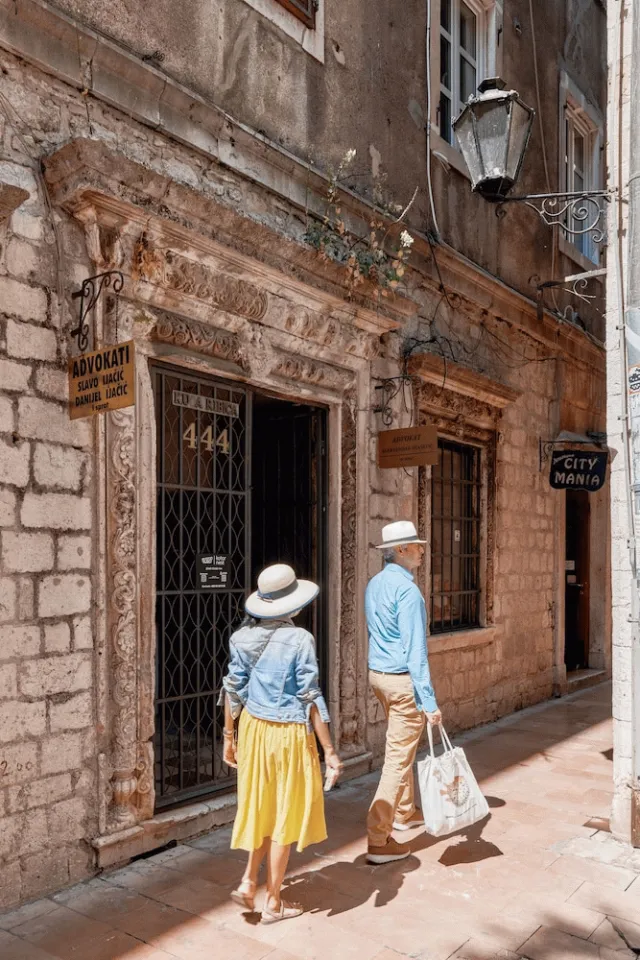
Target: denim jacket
[[273, 672]]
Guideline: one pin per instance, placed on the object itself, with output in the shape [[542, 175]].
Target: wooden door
[[576, 635]]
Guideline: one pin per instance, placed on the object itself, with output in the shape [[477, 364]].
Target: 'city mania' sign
[[578, 470]]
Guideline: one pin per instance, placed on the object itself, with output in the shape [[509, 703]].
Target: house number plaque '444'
[[207, 439]]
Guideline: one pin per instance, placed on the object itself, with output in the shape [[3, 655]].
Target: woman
[[273, 675]]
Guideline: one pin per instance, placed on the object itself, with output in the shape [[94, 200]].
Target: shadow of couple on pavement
[[340, 886]]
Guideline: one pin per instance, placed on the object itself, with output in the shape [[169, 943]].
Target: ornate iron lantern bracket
[[579, 214], [89, 294], [576, 284]]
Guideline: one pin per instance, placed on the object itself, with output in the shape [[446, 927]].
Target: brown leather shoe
[[415, 820], [391, 851]]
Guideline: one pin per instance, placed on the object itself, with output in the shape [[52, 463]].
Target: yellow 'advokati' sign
[[410, 447], [102, 380]]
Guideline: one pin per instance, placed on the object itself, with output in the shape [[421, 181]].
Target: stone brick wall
[[47, 727], [520, 661]]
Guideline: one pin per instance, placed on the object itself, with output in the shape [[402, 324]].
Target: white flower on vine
[[350, 155], [406, 240]]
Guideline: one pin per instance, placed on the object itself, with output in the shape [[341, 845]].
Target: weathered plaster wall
[[370, 94]]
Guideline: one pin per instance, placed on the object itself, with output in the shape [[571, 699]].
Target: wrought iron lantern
[[493, 131]]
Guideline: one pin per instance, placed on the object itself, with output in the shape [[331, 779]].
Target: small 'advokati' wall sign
[[102, 380], [578, 470], [409, 447]]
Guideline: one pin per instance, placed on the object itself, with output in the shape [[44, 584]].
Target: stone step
[[582, 679]]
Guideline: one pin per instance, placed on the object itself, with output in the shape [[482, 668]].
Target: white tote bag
[[451, 797]]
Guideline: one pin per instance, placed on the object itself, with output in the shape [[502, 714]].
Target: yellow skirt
[[279, 785]]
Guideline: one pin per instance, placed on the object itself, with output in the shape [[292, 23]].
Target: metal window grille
[[304, 10], [455, 538]]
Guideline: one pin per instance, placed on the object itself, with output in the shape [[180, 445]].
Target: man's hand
[[435, 718]]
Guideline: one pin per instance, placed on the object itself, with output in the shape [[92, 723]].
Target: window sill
[[447, 155], [567, 249], [461, 640], [311, 40]]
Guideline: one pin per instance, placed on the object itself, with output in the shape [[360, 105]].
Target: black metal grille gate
[[202, 506], [455, 538], [204, 467]]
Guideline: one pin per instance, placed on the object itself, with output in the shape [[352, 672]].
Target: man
[[399, 676]]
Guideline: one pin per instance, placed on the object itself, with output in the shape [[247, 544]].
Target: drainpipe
[[632, 336]]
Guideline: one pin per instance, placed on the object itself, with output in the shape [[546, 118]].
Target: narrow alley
[[541, 879]]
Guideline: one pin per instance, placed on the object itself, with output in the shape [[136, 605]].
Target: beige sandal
[[245, 898], [287, 911]]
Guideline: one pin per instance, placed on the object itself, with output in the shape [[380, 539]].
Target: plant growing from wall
[[375, 257]]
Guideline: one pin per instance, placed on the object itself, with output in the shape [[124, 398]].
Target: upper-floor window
[[304, 10], [582, 139], [462, 42]]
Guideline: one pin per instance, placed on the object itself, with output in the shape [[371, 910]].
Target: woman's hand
[[230, 753], [333, 761]]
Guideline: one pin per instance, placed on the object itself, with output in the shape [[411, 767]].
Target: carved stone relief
[[304, 370], [351, 732], [126, 771], [453, 406], [122, 626], [199, 337], [171, 270], [333, 332], [194, 279]]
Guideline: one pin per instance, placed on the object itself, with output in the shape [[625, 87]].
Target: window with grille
[[304, 10], [462, 31], [455, 538]]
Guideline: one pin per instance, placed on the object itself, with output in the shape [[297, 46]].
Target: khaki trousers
[[394, 799]]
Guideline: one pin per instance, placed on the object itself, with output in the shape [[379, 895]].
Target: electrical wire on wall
[[436, 228], [543, 142]]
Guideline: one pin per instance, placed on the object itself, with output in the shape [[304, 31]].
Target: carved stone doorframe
[[263, 359]]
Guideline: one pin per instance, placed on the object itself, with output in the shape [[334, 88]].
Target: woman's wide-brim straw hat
[[398, 533], [280, 593]]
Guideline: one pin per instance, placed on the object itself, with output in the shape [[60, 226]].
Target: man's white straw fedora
[[280, 593], [398, 533]]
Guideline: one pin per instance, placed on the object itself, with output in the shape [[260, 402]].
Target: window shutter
[[304, 10]]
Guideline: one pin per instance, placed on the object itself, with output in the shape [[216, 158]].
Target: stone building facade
[[191, 152], [625, 813]]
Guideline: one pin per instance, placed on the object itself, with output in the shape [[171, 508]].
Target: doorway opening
[[577, 561], [241, 483]]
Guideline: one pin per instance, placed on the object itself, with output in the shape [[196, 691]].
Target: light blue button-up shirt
[[397, 623]]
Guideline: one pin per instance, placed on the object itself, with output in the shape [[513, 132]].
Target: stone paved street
[[542, 879]]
